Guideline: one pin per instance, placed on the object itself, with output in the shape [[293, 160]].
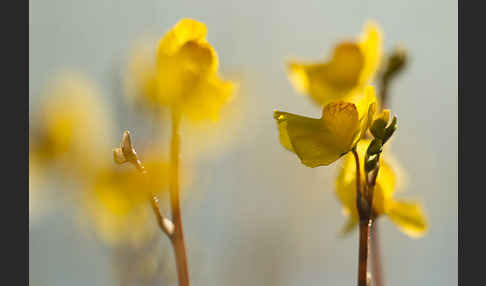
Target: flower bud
[[390, 129], [378, 128], [375, 147]]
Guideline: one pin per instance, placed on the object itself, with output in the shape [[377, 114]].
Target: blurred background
[[253, 214]]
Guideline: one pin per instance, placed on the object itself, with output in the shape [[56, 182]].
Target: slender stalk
[[364, 239], [375, 244], [173, 230], [165, 224], [358, 176], [177, 237], [364, 226], [376, 256]]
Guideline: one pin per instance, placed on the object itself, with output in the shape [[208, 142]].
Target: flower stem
[[358, 176], [364, 238], [376, 256], [364, 227], [177, 238]]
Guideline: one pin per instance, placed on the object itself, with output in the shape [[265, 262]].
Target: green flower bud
[[378, 128], [375, 147], [390, 129]]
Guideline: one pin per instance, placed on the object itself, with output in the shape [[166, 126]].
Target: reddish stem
[[364, 238], [376, 256]]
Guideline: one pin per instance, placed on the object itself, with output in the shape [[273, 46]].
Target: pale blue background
[[272, 220]]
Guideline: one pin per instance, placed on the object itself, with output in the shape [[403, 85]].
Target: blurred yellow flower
[[117, 200], [184, 74], [71, 125], [118, 206], [351, 68], [322, 141], [408, 216]]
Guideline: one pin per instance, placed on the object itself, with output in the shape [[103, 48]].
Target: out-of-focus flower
[[322, 141], [407, 215], [72, 124], [117, 200], [352, 66], [183, 74]]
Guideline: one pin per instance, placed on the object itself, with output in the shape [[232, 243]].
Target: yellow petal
[[299, 75], [385, 187], [366, 105], [179, 74], [319, 142], [185, 46], [197, 57], [282, 129], [409, 217], [351, 67], [342, 118], [345, 67], [345, 185], [206, 99], [186, 30], [327, 82], [371, 46]]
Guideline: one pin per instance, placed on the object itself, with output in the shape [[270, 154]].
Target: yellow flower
[[184, 74], [344, 76], [72, 124], [118, 205], [322, 141], [116, 199], [408, 216]]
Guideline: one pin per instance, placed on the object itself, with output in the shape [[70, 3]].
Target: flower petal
[[371, 43], [186, 30], [207, 98], [345, 67], [330, 81], [366, 105], [319, 142], [197, 57], [409, 218], [342, 119], [282, 118]]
